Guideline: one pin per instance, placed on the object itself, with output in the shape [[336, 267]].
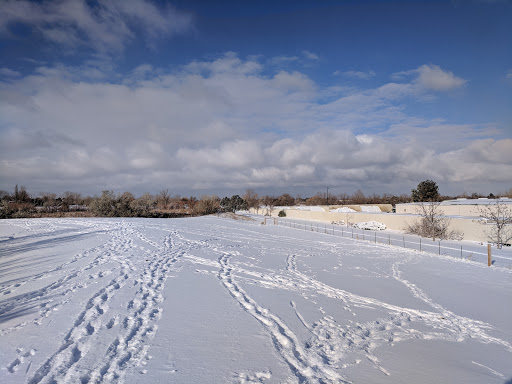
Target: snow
[[217, 300], [370, 208], [371, 225], [343, 209], [312, 208], [479, 201]]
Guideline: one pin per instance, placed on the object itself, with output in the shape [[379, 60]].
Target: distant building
[[459, 207]]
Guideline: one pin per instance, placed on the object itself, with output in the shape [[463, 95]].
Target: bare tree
[[358, 197], [318, 199], [499, 215], [72, 201], [343, 197], [285, 200], [142, 206], [270, 203], [208, 205], [104, 206], [252, 199], [432, 223], [163, 199], [123, 204], [49, 202]]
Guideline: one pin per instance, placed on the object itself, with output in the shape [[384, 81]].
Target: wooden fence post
[[489, 258]]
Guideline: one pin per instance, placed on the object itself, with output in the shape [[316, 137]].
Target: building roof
[[480, 201], [465, 201]]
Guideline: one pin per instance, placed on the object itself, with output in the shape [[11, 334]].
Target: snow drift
[[312, 208], [370, 208], [343, 209]]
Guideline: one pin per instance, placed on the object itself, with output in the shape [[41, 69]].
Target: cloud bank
[[227, 125], [103, 26]]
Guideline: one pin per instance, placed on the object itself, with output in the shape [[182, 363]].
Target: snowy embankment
[[312, 208], [343, 209], [370, 208], [222, 301]]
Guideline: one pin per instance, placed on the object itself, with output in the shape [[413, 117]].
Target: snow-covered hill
[[214, 300]]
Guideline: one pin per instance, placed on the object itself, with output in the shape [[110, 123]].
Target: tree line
[[20, 203]]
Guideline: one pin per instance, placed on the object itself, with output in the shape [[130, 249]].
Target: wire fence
[[404, 241]]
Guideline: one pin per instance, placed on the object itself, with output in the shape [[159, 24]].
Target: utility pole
[[327, 195]]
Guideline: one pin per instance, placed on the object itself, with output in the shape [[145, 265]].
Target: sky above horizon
[[202, 97]]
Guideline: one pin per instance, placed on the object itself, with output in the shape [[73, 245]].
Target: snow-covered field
[[214, 300]]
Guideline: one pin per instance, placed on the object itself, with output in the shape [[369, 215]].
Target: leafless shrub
[[433, 223], [499, 216], [104, 205], [207, 205], [163, 199], [142, 206], [252, 198]]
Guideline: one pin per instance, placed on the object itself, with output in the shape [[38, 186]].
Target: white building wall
[[472, 228]]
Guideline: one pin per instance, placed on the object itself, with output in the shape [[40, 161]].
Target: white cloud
[[104, 26], [357, 74], [227, 123], [432, 77], [304, 59], [281, 61], [7, 72], [295, 81], [310, 55], [229, 63], [508, 75]]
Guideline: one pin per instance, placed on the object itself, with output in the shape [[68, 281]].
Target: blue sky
[[217, 97]]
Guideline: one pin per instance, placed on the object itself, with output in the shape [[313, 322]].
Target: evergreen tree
[[426, 191]]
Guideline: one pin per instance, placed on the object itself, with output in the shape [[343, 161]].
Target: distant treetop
[[426, 191]]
